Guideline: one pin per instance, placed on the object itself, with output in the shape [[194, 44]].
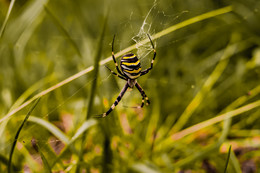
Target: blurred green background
[[202, 70]]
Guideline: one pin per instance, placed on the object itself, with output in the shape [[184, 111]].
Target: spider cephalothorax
[[130, 71]]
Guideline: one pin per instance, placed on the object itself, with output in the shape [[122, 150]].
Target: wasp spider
[[130, 71]]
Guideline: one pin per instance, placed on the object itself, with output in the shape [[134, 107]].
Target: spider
[[130, 71]]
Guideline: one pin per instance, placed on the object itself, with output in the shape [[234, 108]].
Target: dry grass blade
[[208, 123]]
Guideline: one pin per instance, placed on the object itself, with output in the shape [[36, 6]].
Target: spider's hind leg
[[144, 96], [115, 103]]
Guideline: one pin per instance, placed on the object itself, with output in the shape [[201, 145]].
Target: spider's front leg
[[116, 102], [144, 96], [114, 59], [114, 73], [154, 55]]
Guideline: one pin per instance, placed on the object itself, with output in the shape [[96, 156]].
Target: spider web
[[144, 49], [156, 18], [150, 25]]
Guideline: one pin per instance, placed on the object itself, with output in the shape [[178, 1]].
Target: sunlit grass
[[203, 88]]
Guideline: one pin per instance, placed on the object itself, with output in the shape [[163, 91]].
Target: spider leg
[[114, 59], [144, 96], [116, 102], [114, 73], [154, 55]]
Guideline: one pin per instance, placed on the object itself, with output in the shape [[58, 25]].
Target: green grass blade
[[228, 156], [50, 127], [6, 18], [54, 130], [17, 135], [96, 69], [198, 18], [235, 162], [93, 86], [84, 127]]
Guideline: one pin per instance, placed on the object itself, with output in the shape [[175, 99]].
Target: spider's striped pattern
[[131, 66], [130, 71]]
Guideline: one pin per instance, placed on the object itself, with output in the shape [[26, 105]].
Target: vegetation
[[204, 87]]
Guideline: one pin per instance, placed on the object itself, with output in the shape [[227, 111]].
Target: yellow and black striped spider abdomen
[[131, 66]]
